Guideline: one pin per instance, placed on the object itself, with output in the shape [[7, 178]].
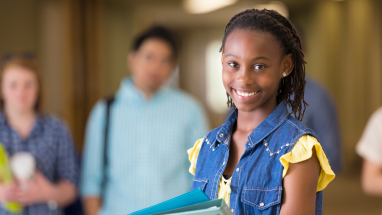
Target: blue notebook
[[213, 207], [191, 198]]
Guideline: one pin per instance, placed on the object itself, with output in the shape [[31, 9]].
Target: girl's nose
[[245, 76]]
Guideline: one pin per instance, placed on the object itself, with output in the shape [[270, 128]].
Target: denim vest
[[256, 184]]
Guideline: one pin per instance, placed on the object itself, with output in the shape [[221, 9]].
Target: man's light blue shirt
[[148, 140]]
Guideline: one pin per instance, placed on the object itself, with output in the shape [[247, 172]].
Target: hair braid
[[272, 22]]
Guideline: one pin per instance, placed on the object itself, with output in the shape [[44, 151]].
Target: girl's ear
[[287, 65]]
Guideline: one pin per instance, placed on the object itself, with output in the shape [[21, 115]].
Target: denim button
[[237, 170], [232, 210], [261, 204], [223, 162], [221, 135]]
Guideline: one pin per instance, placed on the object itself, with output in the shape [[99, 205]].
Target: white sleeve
[[369, 146]]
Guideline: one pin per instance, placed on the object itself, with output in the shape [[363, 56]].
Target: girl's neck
[[21, 121], [248, 121]]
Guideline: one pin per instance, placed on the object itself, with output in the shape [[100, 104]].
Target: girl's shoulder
[[297, 124], [294, 126], [302, 151]]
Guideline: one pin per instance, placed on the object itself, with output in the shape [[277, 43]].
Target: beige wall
[[19, 26], [35, 26], [343, 41], [122, 21], [193, 66]]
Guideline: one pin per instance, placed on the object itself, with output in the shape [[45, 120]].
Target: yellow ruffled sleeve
[[301, 151], [193, 154]]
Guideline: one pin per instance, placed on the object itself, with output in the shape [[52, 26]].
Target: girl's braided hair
[[270, 21]]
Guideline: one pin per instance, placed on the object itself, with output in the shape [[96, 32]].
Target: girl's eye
[[233, 64], [259, 67]]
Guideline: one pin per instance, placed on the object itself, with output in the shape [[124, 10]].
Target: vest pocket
[[199, 184], [262, 198]]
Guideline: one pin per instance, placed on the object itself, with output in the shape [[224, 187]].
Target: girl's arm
[[300, 187]]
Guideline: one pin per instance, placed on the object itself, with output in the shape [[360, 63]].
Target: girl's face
[[19, 88], [253, 63]]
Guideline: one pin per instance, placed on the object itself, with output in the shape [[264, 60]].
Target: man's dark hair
[[270, 21], [157, 32]]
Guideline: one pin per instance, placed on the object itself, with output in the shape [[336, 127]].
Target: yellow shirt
[[301, 151]]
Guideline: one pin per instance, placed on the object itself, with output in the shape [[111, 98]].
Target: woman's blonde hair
[[27, 61]]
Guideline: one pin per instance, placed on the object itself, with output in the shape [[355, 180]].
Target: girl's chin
[[245, 107]]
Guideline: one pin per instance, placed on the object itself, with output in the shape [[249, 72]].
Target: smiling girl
[[262, 160]]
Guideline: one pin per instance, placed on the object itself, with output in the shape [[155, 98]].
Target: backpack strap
[[109, 100]]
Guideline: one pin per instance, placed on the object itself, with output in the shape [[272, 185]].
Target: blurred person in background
[[24, 127], [369, 148], [321, 116], [150, 126]]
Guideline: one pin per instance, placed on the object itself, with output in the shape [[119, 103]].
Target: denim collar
[[226, 130], [271, 123]]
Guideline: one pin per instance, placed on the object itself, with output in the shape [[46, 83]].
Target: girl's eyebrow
[[256, 58], [231, 55]]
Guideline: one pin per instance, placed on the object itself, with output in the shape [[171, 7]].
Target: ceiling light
[[205, 6]]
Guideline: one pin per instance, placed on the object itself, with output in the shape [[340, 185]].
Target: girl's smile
[[245, 95]]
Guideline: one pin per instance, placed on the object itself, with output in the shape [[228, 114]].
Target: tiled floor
[[344, 196]]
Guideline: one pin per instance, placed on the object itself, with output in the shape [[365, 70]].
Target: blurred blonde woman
[[25, 128]]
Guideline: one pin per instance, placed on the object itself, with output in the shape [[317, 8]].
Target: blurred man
[[150, 129], [321, 116]]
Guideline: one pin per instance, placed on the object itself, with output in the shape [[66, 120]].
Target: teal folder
[[190, 198], [214, 207]]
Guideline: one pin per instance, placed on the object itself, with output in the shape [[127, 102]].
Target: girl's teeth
[[245, 94]]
